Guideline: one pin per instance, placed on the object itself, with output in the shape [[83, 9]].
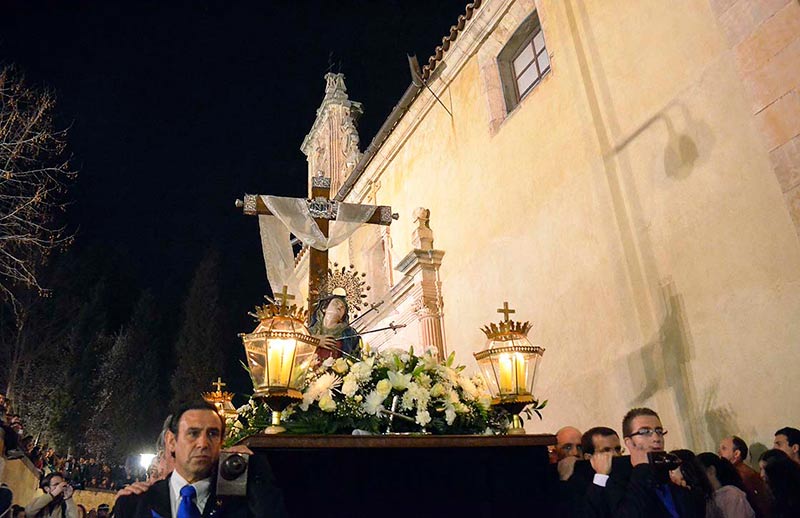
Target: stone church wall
[[627, 206]]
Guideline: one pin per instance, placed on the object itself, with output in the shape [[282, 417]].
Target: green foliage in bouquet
[[388, 391]]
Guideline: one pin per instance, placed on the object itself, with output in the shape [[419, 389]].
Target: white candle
[[279, 361], [505, 364]]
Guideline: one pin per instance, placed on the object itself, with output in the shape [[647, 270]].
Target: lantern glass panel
[[487, 369], [304, 355], [256, 361], [533, 368]]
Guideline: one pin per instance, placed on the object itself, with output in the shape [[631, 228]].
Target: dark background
[[176, 109]]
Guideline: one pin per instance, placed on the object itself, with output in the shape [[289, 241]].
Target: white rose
[[340, 366], [327, 404], [437, 390], [349, 387], [383, 387]]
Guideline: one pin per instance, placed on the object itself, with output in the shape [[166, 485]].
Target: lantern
[[509, 363], [279, 352]]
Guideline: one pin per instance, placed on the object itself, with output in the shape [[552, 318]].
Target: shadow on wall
[[681, 152], [720, 421], [663, 364], [755, 451]]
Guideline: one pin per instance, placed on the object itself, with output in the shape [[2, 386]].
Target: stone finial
[[422, 236], [335, 87]]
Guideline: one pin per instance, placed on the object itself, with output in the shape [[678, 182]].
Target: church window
[[523, 61]]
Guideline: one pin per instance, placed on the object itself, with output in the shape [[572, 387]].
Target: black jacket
[[264, 499], [636, 497]]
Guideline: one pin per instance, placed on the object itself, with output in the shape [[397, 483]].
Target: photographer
[[648, 492], [194, 439], [56, 502]]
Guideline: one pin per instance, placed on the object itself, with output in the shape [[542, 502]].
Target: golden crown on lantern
[[221, 399], [279, 308], [506, 330], [273, 309]]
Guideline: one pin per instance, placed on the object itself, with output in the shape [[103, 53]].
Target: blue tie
[[187, 509], [663, 493]]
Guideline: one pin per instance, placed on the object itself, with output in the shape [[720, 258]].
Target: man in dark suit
[[647, 492], [194, 440]]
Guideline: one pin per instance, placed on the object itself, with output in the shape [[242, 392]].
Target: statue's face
[[335, 311]]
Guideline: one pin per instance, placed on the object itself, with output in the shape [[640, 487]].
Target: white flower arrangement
[[344, 394], [391, 390]]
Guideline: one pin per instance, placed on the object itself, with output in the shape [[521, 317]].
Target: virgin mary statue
[[331, 324]]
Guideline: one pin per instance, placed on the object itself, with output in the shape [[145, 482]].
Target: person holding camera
[[647, 493], [194, 440], [56, 502]]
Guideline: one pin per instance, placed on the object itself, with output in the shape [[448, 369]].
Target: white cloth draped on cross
[[292, 216]]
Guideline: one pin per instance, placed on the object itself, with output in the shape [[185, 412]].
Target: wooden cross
[[323, 209], [219, 384], [284, 296], [506, 311]]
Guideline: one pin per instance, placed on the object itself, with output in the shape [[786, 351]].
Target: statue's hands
[[328, 342]]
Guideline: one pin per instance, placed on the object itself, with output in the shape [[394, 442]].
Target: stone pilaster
[[421, 269]]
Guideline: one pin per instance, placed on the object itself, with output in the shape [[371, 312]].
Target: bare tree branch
[[34, 175]]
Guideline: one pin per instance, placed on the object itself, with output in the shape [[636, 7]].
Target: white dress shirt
[[176, 483]]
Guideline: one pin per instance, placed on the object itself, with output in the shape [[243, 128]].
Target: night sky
[[178, 108]]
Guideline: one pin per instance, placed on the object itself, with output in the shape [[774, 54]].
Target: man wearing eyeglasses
[[648, 492]]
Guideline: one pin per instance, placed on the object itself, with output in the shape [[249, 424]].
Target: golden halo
[[348, 283]]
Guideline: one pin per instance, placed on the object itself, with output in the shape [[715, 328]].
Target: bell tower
[[331, 147]]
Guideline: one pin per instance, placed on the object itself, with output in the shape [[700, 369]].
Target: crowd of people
[[598, 474], [654, 482], [82, 472]]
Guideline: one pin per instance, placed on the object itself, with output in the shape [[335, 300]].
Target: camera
[[662, 460], [232, 474]]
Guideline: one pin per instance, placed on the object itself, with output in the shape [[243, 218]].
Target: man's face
[[568, 443], [607, 443], [197, 445], [54, 482], [640, 444], [782, 443], [726, 451]]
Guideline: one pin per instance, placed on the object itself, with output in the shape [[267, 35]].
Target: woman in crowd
[[782, 475], [729, 499], [692, 475]]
